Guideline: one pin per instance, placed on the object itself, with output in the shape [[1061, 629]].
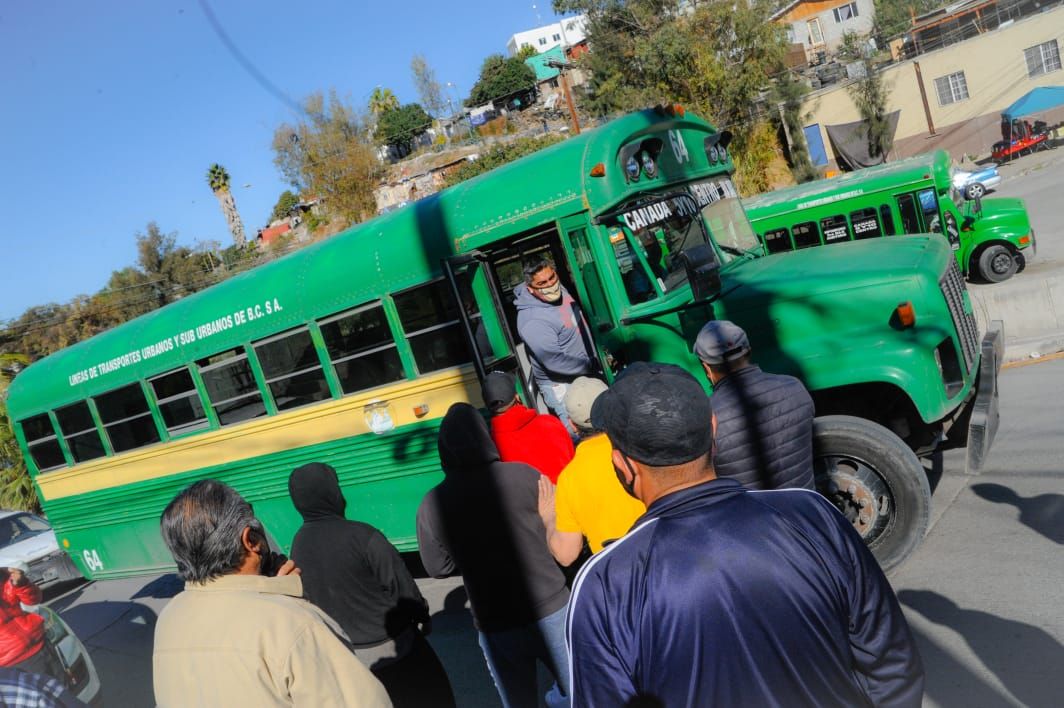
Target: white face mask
[[551, 294]]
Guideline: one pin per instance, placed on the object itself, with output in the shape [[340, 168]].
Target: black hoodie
[[349, 569], [483, 521]]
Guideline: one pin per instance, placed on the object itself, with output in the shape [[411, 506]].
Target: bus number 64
[[92, 559]]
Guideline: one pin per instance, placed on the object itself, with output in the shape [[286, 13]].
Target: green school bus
[[988, 235], [351, 350]]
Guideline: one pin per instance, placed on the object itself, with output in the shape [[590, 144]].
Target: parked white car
[[28, 538], [978, 182], [81, 677]]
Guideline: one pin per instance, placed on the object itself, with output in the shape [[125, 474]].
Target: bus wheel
[[996, 263], [876, 481]]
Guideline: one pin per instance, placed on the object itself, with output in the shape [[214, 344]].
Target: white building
[[568, 32]]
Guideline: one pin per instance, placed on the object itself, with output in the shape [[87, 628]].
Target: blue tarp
[[1036, 101]]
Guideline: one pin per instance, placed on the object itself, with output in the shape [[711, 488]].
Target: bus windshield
[[652, 235], [731, 229]]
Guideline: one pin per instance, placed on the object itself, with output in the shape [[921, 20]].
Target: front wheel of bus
[[876, 481], [997, 263]]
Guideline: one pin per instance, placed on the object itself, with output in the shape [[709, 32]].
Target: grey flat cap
[[721, 341]]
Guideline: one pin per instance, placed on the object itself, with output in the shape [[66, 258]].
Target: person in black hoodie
[[483, 521], [352, 573]]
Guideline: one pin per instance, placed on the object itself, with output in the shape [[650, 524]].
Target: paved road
[[983, 593]]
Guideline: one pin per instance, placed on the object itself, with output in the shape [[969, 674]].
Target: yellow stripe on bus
[[425, 398]]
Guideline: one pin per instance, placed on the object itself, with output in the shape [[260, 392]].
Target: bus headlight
[[632, 168], [649, 166], [712, 153]]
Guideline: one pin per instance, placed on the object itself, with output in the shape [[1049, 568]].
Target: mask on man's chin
[[628, 486], [551, 294]]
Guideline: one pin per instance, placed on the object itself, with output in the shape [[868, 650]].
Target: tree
[[381, 100], [284, 205], [893, 17], [428, 88], [870, 94], [527, 52], [500, 155], [789, 94], [500, 78], [218, 179], [399, 127], [16, 486], [328, 154]]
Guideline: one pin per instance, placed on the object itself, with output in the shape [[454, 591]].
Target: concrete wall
[[798, 17], [996, 75]]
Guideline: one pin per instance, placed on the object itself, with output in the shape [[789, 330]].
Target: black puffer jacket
[[764, 430]]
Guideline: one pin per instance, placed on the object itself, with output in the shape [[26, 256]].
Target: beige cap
[[579, 399]]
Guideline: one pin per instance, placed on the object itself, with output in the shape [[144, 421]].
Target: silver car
[[28, 538]]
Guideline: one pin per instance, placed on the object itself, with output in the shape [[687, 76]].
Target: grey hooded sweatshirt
[[483, 521], [550, 331]]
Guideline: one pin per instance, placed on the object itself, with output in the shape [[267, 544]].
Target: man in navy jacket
[[720, 595]]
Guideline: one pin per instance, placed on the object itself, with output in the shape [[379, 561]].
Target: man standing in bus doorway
[[763, 423], [724, 596], [551, 326], [482, 520], [351, 571], [240, 633]]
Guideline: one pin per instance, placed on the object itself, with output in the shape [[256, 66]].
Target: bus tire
[[876, 481], [996, 263]]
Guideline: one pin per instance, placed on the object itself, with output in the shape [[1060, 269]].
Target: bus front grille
[[953, 288]]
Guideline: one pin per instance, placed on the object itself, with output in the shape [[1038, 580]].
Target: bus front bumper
[[985, 413]]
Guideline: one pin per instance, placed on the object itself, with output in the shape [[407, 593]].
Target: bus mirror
[[978, 204], [703, 271]]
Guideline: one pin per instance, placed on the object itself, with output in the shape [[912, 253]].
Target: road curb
[[1032, 310]]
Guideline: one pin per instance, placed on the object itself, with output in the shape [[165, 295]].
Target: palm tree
[[218, 179], [382, 100]]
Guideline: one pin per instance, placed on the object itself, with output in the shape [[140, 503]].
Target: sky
[[112, 111]]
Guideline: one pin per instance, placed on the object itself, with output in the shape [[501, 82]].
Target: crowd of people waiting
[[712, 573]]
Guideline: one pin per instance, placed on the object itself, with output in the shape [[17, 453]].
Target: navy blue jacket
[[721, 596], [764, 429]]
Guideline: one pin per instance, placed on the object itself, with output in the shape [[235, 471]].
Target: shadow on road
[[1026, 659], [1043, 513], [455, 641]]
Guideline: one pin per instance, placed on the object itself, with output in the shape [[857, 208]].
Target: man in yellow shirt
[[589, 501]]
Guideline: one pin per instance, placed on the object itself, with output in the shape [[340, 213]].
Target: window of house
[[126, 418], [361, 348], [806, 235], [292, 369], [43, 442], [79, 431], [429, 317], [865, 224], [231, 386], [816, 35], [179, 402], [542, 41], [845, 12], [835, 229], [951, 88], [777, 241], [1042, 58], [556, 37]]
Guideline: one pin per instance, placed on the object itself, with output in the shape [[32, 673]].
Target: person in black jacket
[[483, 521], [351, 572], [763, 422]]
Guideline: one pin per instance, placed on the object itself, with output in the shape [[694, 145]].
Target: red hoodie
[[523, 435], [21, 633]]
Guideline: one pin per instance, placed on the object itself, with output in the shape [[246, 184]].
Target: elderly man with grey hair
[[240, 633]]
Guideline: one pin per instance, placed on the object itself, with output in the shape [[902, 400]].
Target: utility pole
[[561, 67]]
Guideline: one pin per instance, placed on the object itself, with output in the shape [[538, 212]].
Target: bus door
[[481, 312], [920, 213]]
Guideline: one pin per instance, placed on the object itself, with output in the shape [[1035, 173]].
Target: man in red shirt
[[522, 434], [21, 632]]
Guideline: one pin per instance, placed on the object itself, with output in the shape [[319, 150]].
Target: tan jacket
[[248, 640]]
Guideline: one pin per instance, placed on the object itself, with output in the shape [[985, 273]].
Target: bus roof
[[929, 165], [385, 254]]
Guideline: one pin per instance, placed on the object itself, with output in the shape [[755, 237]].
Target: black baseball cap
[[657, 414], [498, 390]]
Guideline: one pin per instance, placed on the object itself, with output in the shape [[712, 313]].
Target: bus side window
[[910, 219], [805, 235], [127, 418], [429, 317], [179, 402], [835, 229], [43, 443], [888, 220], [361, 348], [929, 207], [778, 241], [865, 223], [79, 430], [231, 386], [292, 368]]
